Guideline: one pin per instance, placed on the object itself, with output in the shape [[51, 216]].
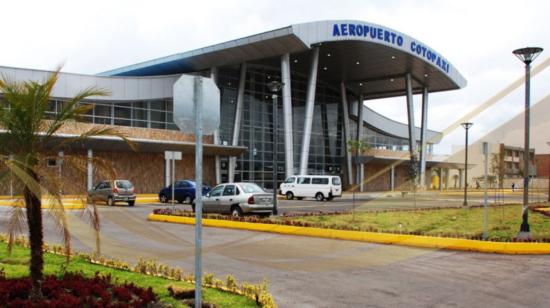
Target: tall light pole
[[466, 126], [526, 55], [275, 87]]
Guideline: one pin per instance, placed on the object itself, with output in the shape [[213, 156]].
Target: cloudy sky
[[476, 36]]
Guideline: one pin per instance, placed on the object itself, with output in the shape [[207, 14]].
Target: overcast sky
[[476, 36]]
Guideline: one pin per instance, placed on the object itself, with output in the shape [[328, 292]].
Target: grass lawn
[[504, 222], [16, 266]]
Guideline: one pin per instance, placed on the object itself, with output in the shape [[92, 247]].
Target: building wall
[[542, 162], [144, 170], [377, 177]]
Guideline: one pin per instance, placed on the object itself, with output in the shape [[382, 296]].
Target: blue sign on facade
[[391, 37]]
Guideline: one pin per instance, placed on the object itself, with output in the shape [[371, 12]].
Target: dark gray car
[[114, 191]]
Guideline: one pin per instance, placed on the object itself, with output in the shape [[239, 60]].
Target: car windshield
[[251, 188], [290, 180], [124, 184], [335, 181]]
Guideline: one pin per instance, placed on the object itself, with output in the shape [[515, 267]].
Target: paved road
[[311, 272]]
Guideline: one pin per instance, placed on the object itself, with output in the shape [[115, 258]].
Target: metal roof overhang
[[111, 143], [369, 66]]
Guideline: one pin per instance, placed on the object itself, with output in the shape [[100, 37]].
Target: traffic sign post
[[197, 93], [173, 156]]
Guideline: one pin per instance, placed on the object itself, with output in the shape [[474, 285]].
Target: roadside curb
[[371, 237]]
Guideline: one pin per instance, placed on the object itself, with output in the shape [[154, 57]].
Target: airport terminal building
[[327, 68]]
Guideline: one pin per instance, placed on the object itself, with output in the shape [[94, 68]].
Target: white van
[[320, 187]]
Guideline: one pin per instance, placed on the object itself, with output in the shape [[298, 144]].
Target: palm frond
[[20, 170], [91, 215], [73, 110], [16, 221], [98, 132]]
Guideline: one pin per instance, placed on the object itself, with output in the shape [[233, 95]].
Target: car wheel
[[319, 196], [236, 211], [289, 195], [163, 199], [131, 203], [187, 200], [110, 201]]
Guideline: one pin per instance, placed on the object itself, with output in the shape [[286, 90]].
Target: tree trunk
[[36, 239]]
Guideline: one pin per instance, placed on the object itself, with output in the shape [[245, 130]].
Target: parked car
[[184, 192], [238, 199], [320, 187], [113, 191]]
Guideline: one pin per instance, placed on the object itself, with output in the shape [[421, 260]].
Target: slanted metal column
[[360, 120], [90, 172], [238, 119], [423, 128], [347, 131], [310, 102], [217, 162], [287, 115], [410, 115]]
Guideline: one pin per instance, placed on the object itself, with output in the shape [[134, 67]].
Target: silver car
[[111, 192], [238, 199]]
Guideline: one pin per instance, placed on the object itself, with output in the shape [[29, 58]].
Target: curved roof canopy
[[371, 58]]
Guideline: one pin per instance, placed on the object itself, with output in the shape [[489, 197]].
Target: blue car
[[184, 192]]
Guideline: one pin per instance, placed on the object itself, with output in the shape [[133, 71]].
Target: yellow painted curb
[[371, 237]]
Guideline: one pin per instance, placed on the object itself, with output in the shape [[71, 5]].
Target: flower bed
[[74, 290]]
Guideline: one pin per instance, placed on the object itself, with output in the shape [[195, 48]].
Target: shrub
[[74, 290]]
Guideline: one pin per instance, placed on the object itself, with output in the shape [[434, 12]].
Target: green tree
[[28, 134], [357, 147]]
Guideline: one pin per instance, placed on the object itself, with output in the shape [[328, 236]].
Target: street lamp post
[[275, 87], [466, 126], [526, 55]]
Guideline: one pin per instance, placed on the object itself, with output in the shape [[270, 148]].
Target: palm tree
[[27, 134]]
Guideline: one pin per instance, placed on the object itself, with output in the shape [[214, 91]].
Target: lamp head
[[275, 86], [467, 125], [527, 54]]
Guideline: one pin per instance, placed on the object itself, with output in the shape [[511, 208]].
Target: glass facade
[[148, 114], [256, 131]]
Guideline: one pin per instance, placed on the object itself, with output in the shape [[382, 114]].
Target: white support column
[[360, 120], [440, 173], [347, 131], [237, 123], [447, 178], [287, 115], [90, 173], [217, 161], [310, 102], [167, 173], [460, 175], [423, 129], [410, 115]]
